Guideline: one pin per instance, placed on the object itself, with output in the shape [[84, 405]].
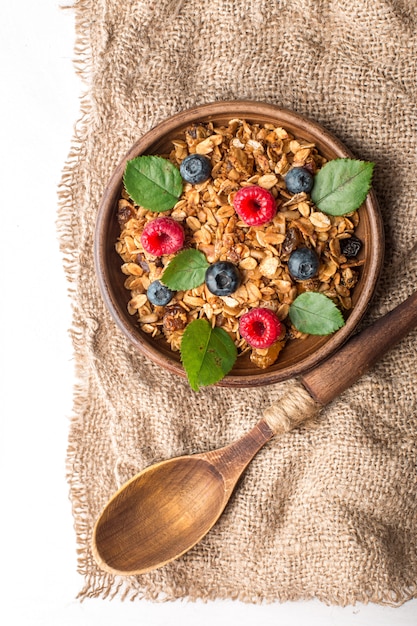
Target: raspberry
[[254, 205], [260, 327], [162, 236]]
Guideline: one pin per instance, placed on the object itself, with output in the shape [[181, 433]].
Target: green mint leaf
[[207, 354], [186, 270], [153, 182], [342, 185], [315, 314]]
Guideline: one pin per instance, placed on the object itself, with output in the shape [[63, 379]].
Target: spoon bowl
[[130, 540], [167, 508]]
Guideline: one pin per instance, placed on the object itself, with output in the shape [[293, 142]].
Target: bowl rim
[[243, 109]]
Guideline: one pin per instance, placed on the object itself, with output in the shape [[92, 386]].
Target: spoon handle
[[330, 378]]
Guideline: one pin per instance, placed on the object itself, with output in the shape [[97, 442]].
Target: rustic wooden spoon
[[167, 508]]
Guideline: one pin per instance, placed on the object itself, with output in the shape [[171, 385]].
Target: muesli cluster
[[241, 155]]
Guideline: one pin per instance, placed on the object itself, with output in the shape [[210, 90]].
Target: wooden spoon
[[167, 508]]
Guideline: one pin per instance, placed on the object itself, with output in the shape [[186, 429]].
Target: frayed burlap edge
[[68, 247]]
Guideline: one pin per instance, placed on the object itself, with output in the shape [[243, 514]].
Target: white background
[[39, 106]]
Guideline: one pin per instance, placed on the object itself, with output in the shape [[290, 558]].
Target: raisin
[[310, 165], [141, 261], [125, 212], [196, 131], [291, 241], [350, 247]]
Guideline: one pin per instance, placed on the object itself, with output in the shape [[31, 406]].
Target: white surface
[[39, 106]]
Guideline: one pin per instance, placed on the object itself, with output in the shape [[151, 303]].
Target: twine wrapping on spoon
[[294, 408]]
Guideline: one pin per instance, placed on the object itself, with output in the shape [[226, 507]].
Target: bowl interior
[[298, 355]]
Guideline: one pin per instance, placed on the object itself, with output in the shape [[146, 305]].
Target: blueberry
[[222, 278], [350, 247], [195, 168], [299, 179], [158, 294], [303, 263]]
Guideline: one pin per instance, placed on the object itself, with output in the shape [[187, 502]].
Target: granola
[[241, 154]]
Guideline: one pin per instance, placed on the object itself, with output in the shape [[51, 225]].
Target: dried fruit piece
[[350, 247], [260, 327], [162, 236], [142, 262], [125, 212], [255, 205], [291, 241], [269, 356], [175, 318]]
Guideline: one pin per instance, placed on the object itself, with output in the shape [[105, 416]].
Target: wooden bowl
[[299, 355]]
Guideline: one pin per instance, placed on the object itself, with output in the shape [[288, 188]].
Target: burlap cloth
[[328, 512]]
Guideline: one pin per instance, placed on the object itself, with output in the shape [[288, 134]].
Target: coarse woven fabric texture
[[326, 512]]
